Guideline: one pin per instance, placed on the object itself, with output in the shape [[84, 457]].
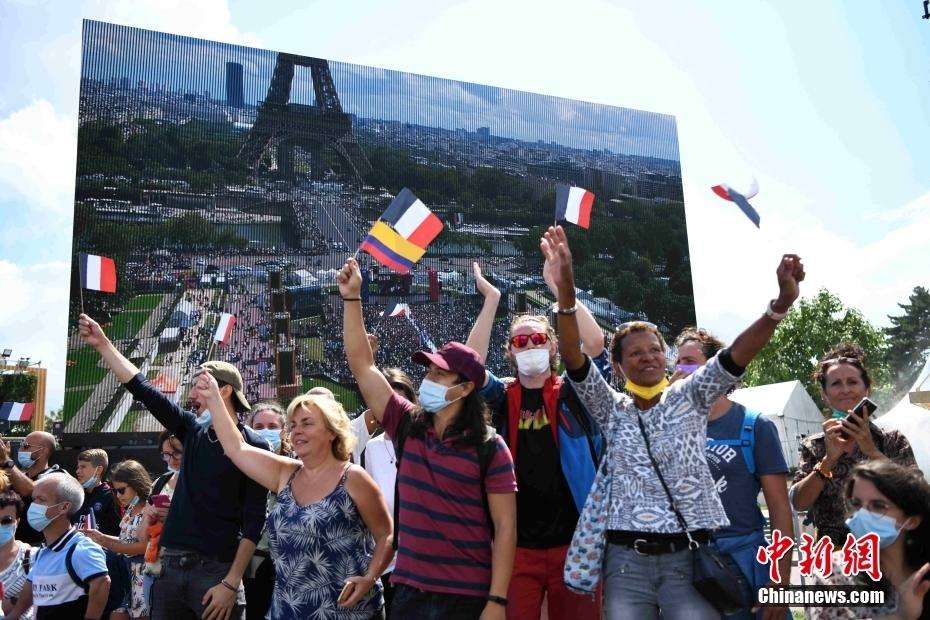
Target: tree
[[812, 328], [909, 339]]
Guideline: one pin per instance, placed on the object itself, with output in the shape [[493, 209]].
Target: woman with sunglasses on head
[[16, 557], [555, 448], [653, 499], [827, 458], [892, 502], [132, 486]]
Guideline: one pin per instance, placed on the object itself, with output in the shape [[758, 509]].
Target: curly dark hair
[[709, 343], [616, 343], [907, 489], [842, 353], [471, 427], [12, 498]]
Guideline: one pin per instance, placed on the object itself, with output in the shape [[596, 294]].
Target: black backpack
[[486, 451]]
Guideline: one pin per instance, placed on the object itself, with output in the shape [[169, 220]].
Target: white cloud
[[33, 318], [37, 156]]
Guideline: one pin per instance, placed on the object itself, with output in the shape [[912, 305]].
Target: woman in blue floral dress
[[330, 532]]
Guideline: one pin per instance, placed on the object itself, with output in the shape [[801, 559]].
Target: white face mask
[[533, 361]]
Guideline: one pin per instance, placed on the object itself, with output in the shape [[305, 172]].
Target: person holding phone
[[892, 502], [849, 437]]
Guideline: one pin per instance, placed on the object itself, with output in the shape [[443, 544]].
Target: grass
[[74, 400], [127, 324], [348, 397], [312, 348], [86, 369], [145, 302]]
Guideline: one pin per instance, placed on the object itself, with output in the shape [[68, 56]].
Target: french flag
[[17, 412], [399, 310], [224, 328], [98, 273], [573, 204]]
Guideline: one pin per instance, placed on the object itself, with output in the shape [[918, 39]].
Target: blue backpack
[[746, 440]]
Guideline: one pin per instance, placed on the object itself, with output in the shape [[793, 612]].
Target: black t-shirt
[[546, 513], [106, 514]]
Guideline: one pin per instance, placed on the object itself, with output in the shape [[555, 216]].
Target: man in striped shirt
[[457, 529]]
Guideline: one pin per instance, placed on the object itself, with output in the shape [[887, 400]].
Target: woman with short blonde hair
[[334, 417]]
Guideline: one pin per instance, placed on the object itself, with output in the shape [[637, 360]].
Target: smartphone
[[160, 501], [346, 592], [864, 409]]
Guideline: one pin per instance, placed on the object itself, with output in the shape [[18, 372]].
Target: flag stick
[[81, 283]]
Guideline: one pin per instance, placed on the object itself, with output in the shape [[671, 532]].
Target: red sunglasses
[[520, 340]]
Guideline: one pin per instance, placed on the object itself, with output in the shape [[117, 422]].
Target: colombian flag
[[400, 237]]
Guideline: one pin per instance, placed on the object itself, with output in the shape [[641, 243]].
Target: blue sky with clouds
[[826, 103]]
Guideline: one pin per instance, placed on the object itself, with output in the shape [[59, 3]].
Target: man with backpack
[[455, 508], [555, 447], [69, 577], [745, 456]]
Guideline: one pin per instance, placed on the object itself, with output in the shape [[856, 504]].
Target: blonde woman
[[329, 533]]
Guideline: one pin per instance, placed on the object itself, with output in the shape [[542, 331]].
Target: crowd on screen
[[492, 488]]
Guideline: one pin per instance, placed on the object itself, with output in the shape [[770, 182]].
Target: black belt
[[652, 543]]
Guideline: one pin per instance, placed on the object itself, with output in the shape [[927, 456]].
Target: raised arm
[[790, 274], [374, 387], [554, 247], [590, 333], [480, 335], [263, 466]]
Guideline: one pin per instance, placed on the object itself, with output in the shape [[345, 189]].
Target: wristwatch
[[819, 470], [500, 600], [8, 464]]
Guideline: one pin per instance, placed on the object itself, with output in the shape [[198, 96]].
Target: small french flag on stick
[[400, 310], [573, 204], [98, 273], [224, 328], [16, 412]]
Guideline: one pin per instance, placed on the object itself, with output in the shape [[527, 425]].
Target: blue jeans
[[640, 586], [410, 603]]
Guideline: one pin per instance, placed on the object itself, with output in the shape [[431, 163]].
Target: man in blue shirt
[[217, 513], [740, 471], [69, 577]]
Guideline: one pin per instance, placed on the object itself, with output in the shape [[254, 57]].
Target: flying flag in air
[[98, 273], [573, 204], [400, 237], [224, 328], [742, 200], [17, 412], [400, 310]]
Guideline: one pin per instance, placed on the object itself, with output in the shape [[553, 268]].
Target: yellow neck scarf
[[646, 393]]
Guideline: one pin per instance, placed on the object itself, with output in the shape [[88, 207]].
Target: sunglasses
[[7, 520], [521, 340], [119, 490]]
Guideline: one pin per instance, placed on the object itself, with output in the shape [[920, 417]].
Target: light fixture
[[7, 353]]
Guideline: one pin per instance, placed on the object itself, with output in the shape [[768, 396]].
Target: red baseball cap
[[455, 357]]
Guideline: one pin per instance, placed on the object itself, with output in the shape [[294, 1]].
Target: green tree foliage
[[812, 328], [909, 339], [17, 388]]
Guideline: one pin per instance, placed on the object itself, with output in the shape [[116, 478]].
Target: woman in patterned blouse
[[827, 458], [893, 502]]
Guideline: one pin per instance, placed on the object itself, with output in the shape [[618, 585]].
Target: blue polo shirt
[[55, 593]]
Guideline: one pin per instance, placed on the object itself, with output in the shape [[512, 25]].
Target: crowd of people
[[486, 490]]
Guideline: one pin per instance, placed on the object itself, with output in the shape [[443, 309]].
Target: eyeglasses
[[623, 326], [119, 490], [7, 520], [878, 506], [521, 340], [172, 454]]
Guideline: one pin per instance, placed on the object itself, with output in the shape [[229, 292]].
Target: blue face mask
[[864, 522], [205, 418], [91, 482], [25, 459], [432, 396], [36, 516], [6, 533], [172, 469], [272, 436]]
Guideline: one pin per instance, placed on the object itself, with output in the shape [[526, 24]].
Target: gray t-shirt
[[738, 489]]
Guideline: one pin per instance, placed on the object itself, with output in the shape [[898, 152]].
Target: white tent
[[790, 407], [913, 421], [304, 277]]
